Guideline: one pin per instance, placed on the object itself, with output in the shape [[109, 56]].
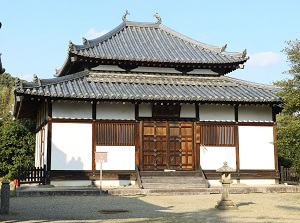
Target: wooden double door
[[167, 145]]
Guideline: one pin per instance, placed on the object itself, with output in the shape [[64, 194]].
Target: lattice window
[[217, 135], [115, 134]]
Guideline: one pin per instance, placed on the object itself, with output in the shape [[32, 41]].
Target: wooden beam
[[237, 149], [236, 113]]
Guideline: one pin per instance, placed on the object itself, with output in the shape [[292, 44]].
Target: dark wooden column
[[49, 142], [94, 112]]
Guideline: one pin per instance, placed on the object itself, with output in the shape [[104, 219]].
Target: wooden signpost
[[101, 157]]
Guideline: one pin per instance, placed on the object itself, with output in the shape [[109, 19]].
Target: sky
[[35, 34]]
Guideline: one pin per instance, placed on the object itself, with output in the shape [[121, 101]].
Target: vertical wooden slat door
[[167, 145]]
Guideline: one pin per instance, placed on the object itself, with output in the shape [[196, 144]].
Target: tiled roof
[[97, 85], [150, 42]]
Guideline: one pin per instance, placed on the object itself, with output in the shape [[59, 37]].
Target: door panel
[[154, 146], [167, 145]]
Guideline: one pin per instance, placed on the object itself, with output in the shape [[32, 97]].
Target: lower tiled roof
[[99, 85]]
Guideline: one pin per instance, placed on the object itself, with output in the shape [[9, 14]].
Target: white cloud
[[92, 33], [263, 59], [26, 77]]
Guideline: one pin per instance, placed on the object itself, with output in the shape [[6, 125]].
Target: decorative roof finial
[[85, 41], [71, 46], [244, 53], [18, 83], [35, 79], [124, 16], [223, 48], [157, 17]]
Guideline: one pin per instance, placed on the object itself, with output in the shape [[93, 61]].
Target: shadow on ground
[[101, 209], [165, 209]]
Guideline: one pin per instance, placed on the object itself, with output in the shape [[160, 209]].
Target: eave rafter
[[83, 62]]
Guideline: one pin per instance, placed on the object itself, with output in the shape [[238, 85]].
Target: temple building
[[155, 103]]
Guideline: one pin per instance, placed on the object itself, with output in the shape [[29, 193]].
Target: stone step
[[172, 180], [170, 173], [173, 186], [177, 180]]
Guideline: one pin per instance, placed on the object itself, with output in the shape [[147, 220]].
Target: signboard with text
[[101, 157]]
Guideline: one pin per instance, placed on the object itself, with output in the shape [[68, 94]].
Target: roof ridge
[[93, 42]]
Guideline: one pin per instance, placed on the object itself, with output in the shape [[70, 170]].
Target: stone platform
[[45, 190]]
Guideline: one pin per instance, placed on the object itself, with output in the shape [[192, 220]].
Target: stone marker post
[[226, 203], [4, 197]]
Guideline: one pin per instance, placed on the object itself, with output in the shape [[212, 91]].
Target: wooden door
[[187, 146], [154, 146], [167, 145]]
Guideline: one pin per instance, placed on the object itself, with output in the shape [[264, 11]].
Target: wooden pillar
[[275, 147], [141, 160], [94, 110], [236, 139], [49, 142], [236, 113], [197, 111], [196, 145], [237, 151]]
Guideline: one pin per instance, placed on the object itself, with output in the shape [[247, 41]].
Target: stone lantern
[[226, 203]]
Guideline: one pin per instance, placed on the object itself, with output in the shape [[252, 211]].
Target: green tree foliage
[[288, 131], [17, 140], [6, 93], [17, 144]]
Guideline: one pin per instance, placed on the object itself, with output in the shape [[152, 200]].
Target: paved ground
[[258, 207]]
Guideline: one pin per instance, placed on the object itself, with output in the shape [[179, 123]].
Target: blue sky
[[35, 34]]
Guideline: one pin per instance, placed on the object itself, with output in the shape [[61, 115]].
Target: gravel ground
[[272, 207]]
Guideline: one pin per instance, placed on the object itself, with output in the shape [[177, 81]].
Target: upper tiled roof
[[150, 42], [97, 85]]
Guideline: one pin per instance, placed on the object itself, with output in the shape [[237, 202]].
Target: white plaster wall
[[118, 157], [71, 146], [212, 158], [216, 113], [67, 109], [115, 111], [145, 110], [255, 114], [187, 111], [37, 149], [256, 147]]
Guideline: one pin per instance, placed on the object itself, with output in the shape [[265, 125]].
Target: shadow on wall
[[75, 164], [61, 161]]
